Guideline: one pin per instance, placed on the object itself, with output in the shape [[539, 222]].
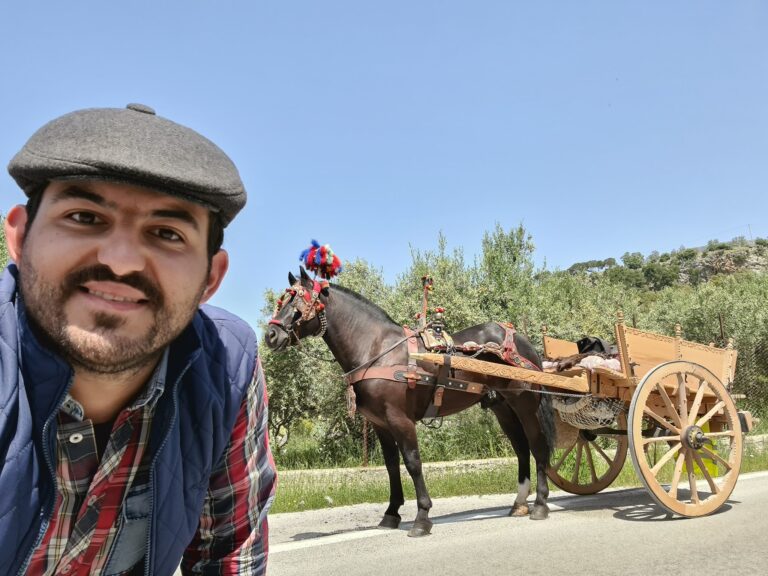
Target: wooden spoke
[[682, 398], [697, 400], [666, 458], [730, 433], [563, 457], [704, 419], [668, 403], [591, 464], [676, 476], [671, 438], [691, 477], [577, 467], [600, 451], [714, 487], [648, 412], [715, 456]]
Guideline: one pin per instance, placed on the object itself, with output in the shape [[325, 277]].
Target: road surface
[[617, 532]]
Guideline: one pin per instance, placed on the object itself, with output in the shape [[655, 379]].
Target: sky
[[602, 127]]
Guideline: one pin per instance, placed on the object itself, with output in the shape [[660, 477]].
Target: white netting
[[587, 412]]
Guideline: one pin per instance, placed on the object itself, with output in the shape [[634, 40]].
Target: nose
[[273, 337], [122, 252]]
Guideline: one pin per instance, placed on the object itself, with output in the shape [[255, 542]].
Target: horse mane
[[376, 309]]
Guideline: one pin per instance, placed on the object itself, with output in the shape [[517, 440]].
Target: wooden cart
[[668, 404]]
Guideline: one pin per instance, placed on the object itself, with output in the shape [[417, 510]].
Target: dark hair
[[215, 228]]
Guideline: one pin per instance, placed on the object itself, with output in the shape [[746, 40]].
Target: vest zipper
[[149, 558], [47, 458]]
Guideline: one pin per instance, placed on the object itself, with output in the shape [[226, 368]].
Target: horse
[[361, 336]]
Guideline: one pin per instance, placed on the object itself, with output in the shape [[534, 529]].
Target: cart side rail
[[640, 352]]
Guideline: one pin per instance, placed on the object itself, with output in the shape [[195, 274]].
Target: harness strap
[[510, 353], [413, 347], [397, 373]]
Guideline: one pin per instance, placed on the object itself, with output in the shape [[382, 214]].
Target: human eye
[[84, 217], [168, 235]]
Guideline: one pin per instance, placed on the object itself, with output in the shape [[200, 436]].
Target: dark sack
[[592, 344]]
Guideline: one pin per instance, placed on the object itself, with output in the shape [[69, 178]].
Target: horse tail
[[546, 415]]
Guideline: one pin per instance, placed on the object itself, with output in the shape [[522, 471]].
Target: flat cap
[[132, 145]]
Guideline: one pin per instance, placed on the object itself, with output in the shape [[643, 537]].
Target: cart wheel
[[691, 463], [591, 462]]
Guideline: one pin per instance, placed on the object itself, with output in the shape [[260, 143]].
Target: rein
[[372, 360]]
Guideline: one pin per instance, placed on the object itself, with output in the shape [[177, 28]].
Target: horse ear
[[291, 279], [304, 275]]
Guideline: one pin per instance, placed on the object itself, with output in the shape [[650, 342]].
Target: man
[[133, 421]]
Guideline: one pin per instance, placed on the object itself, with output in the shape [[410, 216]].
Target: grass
[[300, 490]]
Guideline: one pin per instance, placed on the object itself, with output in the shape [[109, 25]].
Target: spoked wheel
[[591, 462], [691, 464]]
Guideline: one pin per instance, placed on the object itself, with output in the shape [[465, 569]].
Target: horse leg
[[513, 429], [392, 461], [536, 431], [404, 431]]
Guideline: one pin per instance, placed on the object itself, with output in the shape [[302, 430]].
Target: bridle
[[306, 306]]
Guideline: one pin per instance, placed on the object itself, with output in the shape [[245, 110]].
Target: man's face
[[111, 273]]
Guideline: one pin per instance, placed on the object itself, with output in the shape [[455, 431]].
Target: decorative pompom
[[321, 260]]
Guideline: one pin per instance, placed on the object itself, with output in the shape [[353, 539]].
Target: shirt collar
[[149, 394]]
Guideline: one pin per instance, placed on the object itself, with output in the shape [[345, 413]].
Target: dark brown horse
[[360, 334]]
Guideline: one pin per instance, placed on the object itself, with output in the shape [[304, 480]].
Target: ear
[[324, 290], [15, 229], [219, 266], [304, 275], [291, 279]]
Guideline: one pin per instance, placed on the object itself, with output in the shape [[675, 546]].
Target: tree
[[453, 287], [504, 275], [660, 275], [4, 258], [633, 260]]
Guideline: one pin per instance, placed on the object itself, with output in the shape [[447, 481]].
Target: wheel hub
[[694, 437], [587, 435]]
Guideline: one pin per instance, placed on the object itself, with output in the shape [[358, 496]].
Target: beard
[[105, 345]]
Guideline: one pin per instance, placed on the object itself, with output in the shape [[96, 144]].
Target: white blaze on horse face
[[523, 491]]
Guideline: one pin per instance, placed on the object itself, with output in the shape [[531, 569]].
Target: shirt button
[[67, 569], [76, 438], [92, 500]]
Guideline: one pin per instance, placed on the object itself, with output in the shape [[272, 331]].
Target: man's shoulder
[[226, 325], [8, 284]]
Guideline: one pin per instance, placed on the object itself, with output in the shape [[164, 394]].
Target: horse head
[[300, 312]]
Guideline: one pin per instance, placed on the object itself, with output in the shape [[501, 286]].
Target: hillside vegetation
[[686, 266]]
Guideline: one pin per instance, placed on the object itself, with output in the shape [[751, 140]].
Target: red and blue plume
[[321, 260]]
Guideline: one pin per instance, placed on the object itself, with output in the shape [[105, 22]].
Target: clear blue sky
[[604, 127]]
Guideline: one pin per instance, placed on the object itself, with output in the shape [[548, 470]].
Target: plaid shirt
[[232, 537]]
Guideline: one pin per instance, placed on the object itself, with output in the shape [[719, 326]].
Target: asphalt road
[[619, 532]]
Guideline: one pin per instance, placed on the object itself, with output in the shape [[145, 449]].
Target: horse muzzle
[[277, 337]]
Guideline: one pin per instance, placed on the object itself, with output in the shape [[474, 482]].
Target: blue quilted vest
[[209, 367]]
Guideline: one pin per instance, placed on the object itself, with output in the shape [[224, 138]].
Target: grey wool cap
[[131, 145]]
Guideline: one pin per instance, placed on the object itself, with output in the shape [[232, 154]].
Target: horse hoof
[[519, 510], [390, 522], [540, 512], [420, 528]]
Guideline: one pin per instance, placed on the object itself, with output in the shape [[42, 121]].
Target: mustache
[[74, 280]]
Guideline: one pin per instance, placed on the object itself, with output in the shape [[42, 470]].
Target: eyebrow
[[80, 193], [182, 215], [76, 192]]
